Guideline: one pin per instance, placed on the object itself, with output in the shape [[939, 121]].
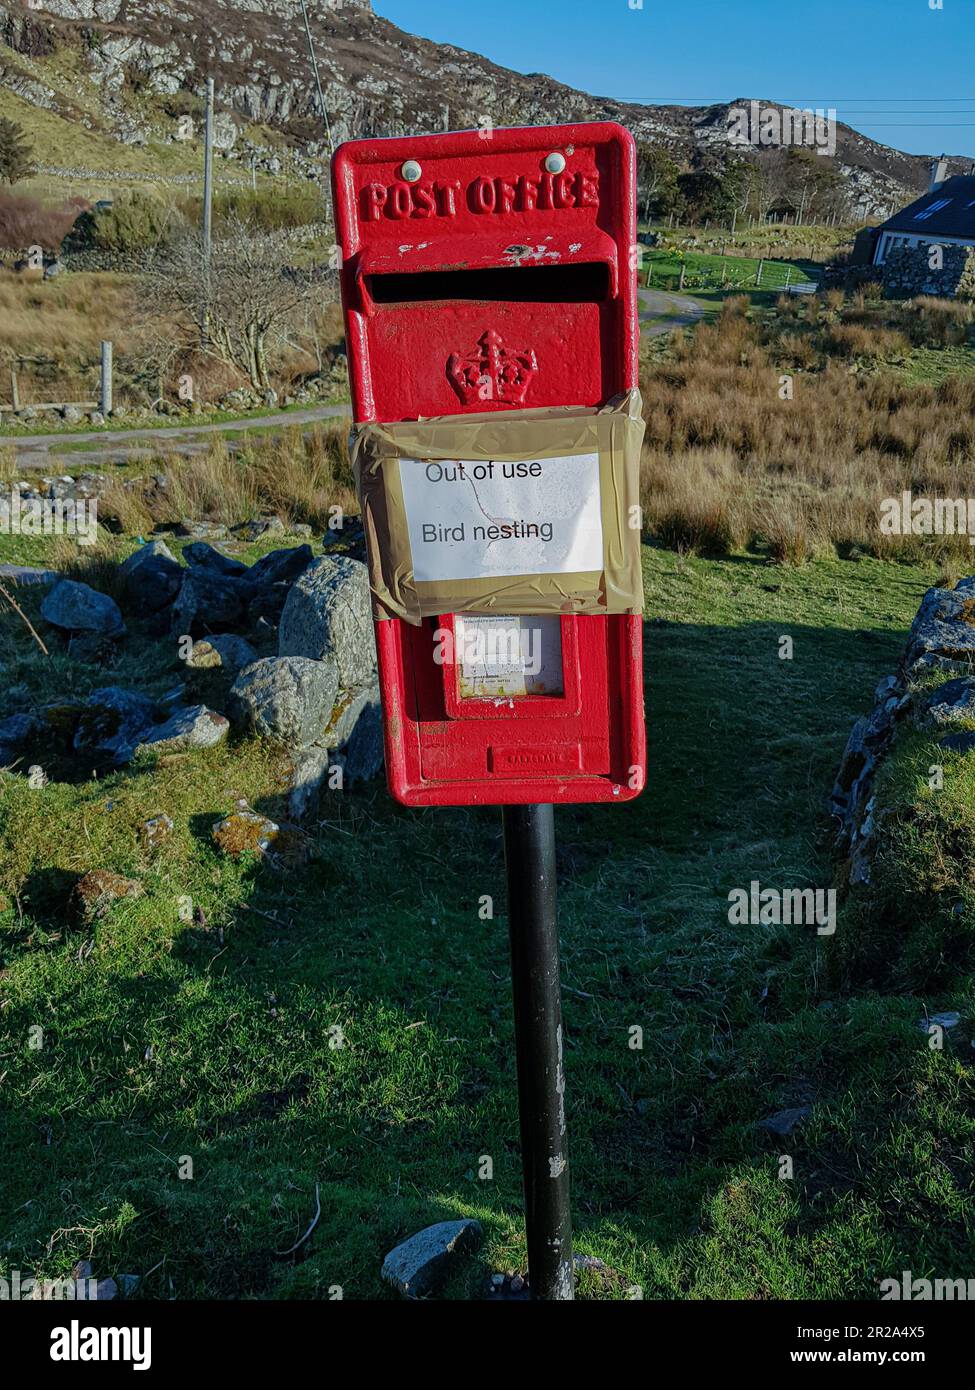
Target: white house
[[944, 216]]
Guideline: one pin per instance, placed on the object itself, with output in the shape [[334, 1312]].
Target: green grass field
[[704, 271], [216, 1041]]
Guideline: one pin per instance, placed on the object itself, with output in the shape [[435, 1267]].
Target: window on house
[[927, 212]]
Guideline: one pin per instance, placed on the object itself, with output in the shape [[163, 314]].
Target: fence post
[[758, 273], [14, 389], [105, 405], [788, 276], [683, 270]]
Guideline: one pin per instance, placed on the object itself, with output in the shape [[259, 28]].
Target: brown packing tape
[[614, 432]]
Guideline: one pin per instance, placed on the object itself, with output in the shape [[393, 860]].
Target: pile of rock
[[941, 640], [105, 731], [291, 635]]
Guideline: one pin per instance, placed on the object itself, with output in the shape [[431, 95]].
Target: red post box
[[492, 272]]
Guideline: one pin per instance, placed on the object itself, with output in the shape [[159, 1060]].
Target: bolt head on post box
[[493, 275]]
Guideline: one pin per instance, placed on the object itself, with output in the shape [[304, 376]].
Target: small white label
[[481, 519], [504, 656]]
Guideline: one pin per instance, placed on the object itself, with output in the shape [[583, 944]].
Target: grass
[[819, 242], [51, 332], [786, 430], [704, 271], [215, 1040]]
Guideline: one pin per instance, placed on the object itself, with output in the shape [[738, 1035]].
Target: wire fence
[[769, 275]]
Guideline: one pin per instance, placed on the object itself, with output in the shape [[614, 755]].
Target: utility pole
[[321, 102], [207, 213]]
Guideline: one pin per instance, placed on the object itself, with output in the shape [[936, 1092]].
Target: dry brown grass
[[298, 477], [727, 462], [52, 331]]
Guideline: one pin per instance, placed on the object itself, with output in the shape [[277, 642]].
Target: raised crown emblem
[[492, 372]]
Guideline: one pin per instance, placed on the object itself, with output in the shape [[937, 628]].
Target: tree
[[818, 187], [249, 298], [134, 223], [656, 181], [16, 153]]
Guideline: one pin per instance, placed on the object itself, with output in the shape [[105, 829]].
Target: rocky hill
[[133, 71]]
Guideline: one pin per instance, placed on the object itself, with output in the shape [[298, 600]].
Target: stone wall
[[906, 272], [941, 643]]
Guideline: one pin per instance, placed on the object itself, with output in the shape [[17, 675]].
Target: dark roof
[[953, 211]]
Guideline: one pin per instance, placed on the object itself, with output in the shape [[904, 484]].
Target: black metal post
[[529, 852]]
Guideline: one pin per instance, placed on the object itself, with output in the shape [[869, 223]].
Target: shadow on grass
[[348, 1024]]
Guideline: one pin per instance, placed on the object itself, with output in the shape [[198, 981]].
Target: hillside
[[112, 88]]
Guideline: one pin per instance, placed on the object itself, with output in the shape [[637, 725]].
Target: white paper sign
[[477, 519]]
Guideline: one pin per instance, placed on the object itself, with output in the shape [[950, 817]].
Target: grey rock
[[941, 634], [286, 698], [196, 727], [361, 756], [78, 608], [27, 574], [946, 1021], [16, 730], [329, 613], [94, 648], [953, 701], [259, 526], [208, 600], [201, 530], [308, 782], [201, 554], [153, 576], [784, 1121], [71, 415], [113, 722], [887, 687], [267, 605], [352, 746], [245, 832], [958, 743], [277, 566], [227, 651], [424, 1262], [155, 831], [351, 707]]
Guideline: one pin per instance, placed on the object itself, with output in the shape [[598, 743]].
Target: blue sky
[[896, 69]]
